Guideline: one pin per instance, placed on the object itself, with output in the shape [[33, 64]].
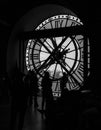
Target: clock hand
[[49, 63], [59, 46], [44, 46], [55, 50], [42, 66], [65, 51], [51, 56], [45, 64], [54, 43], [74, 59], [67, 45], [45, 40], [54, 71], [52, 53]]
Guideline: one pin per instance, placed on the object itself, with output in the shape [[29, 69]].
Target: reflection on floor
[[33, 118], [35, 121]]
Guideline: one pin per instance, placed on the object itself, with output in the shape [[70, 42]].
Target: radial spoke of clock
[[55, 71], [75, 50], [41, 50], [53, 42], [47, 67], [67, 45], [45, 40], [61, 69], [39, 61], [69, 73], [42, 66], [45, 46], [73, 59], [64, 63], [45, 64]]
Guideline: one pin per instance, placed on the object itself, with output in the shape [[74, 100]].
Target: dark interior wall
[[4, 36]]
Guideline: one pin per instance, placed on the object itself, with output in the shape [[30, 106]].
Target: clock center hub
[[58, 56]]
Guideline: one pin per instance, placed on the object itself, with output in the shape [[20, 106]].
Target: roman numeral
[[72, 83], [35, 56], [81, 69], [56, 87], [66, 22], [80, 72], [80, 39], [82, 54], [73, 24], [37, 65], [58, 23]]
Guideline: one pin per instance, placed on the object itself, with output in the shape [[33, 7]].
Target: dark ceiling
[[11, 11]]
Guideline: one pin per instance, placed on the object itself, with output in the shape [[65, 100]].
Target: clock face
[[58, 54]]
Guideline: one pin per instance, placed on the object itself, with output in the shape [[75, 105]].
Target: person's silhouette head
[[46, 74], [33, 74], [64, 74]]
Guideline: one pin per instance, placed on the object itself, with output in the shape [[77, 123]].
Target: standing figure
[[47, 96], [33, 89], [63, 83], [26, 80]]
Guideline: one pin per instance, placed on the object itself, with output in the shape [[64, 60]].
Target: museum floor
[[33, 118], [35, 121]]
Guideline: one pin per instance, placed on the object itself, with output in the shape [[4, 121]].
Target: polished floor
[[34, 120]]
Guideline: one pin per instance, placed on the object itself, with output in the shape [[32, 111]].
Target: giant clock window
[[58, 54]]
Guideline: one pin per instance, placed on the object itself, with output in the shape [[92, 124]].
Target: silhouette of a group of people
[[24, 89], [47, 96], [24, 92]]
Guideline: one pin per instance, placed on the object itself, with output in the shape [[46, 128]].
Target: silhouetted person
[[26, 80], [19, 101], [47, 93], [33, 88], [63, 83]]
